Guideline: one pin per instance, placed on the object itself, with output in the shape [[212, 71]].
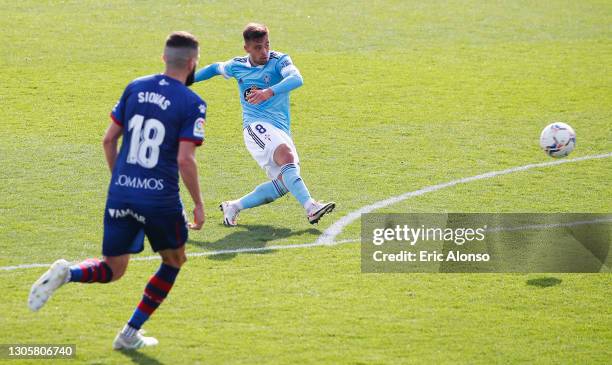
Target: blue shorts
[[126, 224]]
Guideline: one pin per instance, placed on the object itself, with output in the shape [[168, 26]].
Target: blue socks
[[263, 194], [294, 183]]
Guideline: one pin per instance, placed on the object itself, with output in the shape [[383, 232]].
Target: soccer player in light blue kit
[[265, 79], [162, 122]]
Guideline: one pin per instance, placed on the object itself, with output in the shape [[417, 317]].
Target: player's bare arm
[[110, 140], [189, 173]]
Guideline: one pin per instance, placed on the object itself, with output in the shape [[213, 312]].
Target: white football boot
[[57, 275], [318, 210], [137, 341], [230, 214]]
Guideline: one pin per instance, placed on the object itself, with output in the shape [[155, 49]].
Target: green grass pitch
[[398, 96]]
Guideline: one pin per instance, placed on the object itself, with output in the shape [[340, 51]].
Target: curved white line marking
[[203, 253], [315, 244], [329, 235]]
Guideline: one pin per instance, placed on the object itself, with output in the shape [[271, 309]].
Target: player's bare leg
[[89, 271], [118, 265], [290, 176], [288, 180], [132, 336]]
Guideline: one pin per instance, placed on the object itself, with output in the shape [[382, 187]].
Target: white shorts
[[262, 139]]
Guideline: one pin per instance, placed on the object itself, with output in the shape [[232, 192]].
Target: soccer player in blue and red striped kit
[[162, 122]]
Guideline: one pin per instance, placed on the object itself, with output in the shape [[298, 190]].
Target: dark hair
[[254, 31], [182, 39]]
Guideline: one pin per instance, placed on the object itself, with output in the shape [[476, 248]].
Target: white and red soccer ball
[[558, 139]]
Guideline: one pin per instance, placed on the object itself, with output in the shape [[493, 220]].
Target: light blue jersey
[[278, 74]]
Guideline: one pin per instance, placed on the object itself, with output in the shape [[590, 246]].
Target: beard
[[190, 77]]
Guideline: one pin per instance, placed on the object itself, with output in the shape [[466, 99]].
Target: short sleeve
[[118, 113], [192, 129], [285, 66], [226, 69]]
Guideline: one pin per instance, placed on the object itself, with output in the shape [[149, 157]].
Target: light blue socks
[[263, 194], [291, 177]]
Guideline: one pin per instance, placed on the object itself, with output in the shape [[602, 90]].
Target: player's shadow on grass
[[245, 237], [544, 282], [140, 358]]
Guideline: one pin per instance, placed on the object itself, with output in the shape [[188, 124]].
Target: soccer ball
[[558, 139]]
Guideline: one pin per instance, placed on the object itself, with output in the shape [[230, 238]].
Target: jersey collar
[[249, 64], [168, 78]]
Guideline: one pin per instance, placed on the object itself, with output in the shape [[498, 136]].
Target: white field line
[[329, 235], [314, 244], [547, 225], [205, 253]]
